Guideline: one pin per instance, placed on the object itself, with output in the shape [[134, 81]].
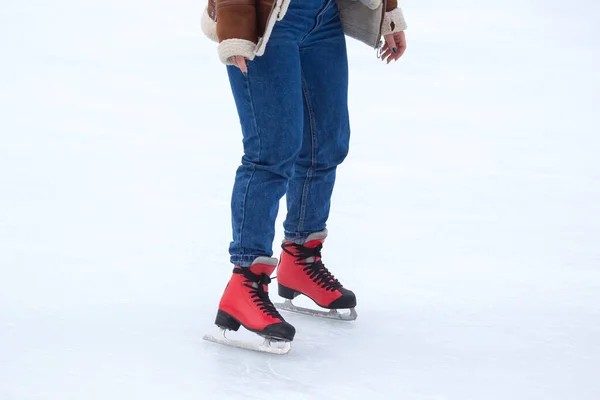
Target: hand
[[394, 47], [240, 62]]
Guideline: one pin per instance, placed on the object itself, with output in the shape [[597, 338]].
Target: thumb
[[240, 62]]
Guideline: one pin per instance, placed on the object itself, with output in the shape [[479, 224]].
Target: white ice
[[467, 217]]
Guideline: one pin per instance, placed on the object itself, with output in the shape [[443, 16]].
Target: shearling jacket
[[243, 27]]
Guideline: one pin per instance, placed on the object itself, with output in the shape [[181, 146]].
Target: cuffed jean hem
[[244, 261], [296, 237]]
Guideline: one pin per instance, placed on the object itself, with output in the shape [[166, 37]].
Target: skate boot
[[301, 271], [246, 302]]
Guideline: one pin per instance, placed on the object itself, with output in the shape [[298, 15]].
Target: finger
[[386, 54], [391, 42], [383, 52], [396, 55], [240, 62], [401, 49], [243, 65], [400, 39]]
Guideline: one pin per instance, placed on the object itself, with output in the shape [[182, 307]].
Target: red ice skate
[[246, 302], [301, 271]]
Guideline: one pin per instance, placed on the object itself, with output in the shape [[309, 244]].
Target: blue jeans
[[293, 109]]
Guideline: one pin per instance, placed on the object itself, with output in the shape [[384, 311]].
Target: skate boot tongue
[[315, 239], [257, 278], [317, 245], [309, 258]]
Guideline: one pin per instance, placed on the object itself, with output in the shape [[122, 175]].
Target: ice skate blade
[[265, 347], [287, 305]]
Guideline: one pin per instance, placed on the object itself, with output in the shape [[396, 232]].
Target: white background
[[466, 217]]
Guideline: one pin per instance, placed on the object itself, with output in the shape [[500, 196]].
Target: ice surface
[[466, 217]]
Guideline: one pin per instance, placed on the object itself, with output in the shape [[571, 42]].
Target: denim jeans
[[293, 110]]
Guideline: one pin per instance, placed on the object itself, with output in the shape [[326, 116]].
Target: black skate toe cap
[[280, 330], [346, 300]]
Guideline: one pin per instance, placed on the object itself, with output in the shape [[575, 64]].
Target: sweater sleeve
[[393, 20], [236, 28]]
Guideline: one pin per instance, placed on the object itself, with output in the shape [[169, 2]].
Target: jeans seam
[[246, 190], [309, 171], [318, 20], [250, 98]]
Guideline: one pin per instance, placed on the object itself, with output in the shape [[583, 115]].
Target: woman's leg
[[326, 133], [269, 104]]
